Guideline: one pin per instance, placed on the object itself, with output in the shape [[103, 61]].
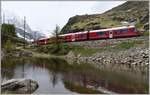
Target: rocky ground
[[135, 58], [16, 53]]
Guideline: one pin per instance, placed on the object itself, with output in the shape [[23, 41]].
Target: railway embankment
[[126, 54]]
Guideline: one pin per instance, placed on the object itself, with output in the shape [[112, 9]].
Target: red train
[[118, 32], [43, 41]]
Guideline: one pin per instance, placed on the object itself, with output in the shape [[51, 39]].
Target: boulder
[[19, 86]]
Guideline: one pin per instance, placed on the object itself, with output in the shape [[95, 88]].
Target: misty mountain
[[10, 18]]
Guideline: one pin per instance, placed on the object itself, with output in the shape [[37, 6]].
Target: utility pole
[[88, 31], [35, 36], [8, 21], [3, 18], [24, 31], [30, 35]]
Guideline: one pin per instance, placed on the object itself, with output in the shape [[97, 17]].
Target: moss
[[125, 45], [80, 89], [146, 33]]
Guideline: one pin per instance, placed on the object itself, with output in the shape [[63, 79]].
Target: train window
[[123, 30], [132, 29], [100, 33], [82, 35], [115, 31], [106, 32], [118, 31]]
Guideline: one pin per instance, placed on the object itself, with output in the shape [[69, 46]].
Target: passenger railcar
[[43, 41]]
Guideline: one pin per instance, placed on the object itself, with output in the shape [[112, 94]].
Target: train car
[[118, 32], [42, 41], [71, 37], [121, 32], [80, 36], [67, 37], [99, 34]]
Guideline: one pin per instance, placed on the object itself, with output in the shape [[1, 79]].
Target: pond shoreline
[[26, 53], [135, 59]]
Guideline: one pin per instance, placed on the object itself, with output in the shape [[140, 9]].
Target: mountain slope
[[130, 11]]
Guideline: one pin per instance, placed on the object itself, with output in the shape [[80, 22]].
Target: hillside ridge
[[130, 11]]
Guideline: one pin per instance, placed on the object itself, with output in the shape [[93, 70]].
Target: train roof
[[115, 28], [74, 33], [43, 38]]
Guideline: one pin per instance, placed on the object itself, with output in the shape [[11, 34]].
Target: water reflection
[[57, 76], [54, 79]]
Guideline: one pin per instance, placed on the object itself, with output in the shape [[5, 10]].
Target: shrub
[[8, 46], [146, 33], [53, 49]]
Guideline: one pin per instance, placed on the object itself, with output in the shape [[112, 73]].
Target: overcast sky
[[44, 15]]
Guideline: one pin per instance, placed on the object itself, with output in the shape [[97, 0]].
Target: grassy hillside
[[131, 11]]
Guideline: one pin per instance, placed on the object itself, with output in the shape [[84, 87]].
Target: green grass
[[53, 49], [90, 51], [128, 44], [125, 45], [85, 51]]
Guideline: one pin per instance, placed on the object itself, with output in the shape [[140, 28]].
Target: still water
[[57, 76]]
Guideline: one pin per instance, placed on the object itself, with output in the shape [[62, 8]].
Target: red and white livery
[[118, 32], [110, 33]]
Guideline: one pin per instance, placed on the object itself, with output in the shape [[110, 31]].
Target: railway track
[[108, 42]]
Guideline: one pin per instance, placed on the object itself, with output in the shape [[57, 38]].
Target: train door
[[45, 42], [110, 34], [73, 37]]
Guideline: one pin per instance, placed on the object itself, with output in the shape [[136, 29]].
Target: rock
[[27, 53], [70, 55], [20, 53], [19, 86]]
